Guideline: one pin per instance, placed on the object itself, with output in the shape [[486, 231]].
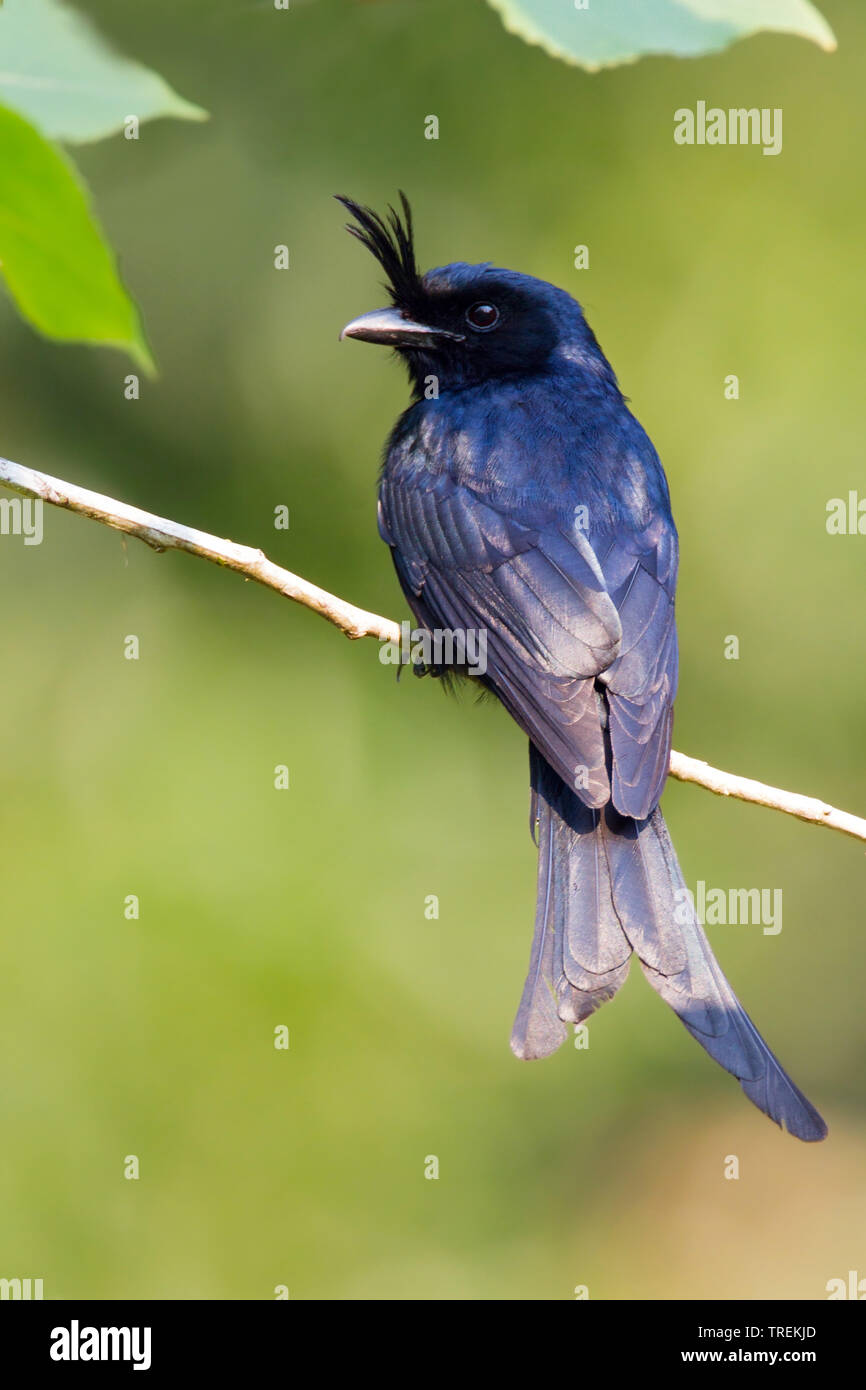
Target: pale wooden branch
[[162, 534], [806, 808]]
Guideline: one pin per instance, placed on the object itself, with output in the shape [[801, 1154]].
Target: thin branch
[[162, 534], [806, 808]]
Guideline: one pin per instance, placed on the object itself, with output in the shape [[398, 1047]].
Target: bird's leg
[[425, 668]]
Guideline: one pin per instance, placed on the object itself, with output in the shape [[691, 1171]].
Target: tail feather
[[609, 885], [704, 1000], [538, 1029], [580, 956]]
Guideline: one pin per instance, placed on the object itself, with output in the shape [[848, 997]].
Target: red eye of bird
[[482, 316]]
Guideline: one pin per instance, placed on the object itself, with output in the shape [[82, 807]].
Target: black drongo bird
[[521, 498]]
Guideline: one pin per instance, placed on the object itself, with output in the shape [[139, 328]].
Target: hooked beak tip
[[395, 329]]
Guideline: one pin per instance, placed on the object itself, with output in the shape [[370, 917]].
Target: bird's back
[[538, 509]]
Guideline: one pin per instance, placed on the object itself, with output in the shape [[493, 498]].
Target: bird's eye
[[482, 316]]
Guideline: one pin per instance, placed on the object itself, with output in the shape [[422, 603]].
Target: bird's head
[[467, 324]]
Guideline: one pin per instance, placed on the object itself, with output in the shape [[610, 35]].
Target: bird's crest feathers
[[391, 240]]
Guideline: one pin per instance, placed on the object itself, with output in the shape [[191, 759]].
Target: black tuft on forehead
[[390, 239]]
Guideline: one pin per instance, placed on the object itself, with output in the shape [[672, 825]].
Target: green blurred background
[[305, 907]]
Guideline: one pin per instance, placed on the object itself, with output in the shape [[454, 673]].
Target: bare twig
[[162, 534], [806, 808]]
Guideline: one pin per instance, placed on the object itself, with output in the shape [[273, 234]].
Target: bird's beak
[[392, 327]]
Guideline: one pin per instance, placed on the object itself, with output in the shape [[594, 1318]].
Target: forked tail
[[609, 886]]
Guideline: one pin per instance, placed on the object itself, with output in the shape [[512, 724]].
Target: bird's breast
[[533, 453]]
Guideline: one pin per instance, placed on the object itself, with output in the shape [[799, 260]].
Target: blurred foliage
[[306, 908], [60, 75], [56, 263], [618, 31]]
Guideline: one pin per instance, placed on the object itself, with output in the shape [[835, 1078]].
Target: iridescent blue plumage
[[520, 497]]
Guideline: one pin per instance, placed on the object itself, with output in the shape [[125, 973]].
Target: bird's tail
[[608, 886]]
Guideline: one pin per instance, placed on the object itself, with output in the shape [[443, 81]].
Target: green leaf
[[57, 264], [619, 31], [59, 73]]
